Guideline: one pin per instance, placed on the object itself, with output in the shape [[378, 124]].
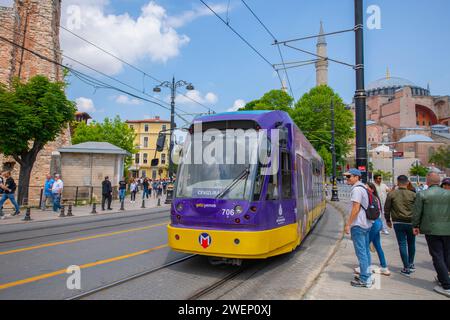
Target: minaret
[[321, 64]]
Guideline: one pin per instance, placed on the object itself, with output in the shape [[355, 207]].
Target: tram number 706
[[228, 212]]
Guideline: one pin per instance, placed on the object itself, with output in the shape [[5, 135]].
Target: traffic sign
[[362, 168], [398, 154]]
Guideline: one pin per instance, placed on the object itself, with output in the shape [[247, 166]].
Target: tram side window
[[272, 187], [286, 175]]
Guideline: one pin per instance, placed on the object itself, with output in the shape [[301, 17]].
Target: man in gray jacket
[[431, 216]]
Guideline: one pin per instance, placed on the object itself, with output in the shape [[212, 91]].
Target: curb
[[331, 255]]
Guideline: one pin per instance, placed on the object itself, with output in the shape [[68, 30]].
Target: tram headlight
[[180, 207], [238, 209]]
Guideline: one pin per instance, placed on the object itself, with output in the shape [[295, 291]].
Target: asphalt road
[[34, 258]]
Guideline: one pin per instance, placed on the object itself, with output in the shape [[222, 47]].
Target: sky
[[183, 39]]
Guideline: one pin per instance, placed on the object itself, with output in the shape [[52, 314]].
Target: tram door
[[300, 193]]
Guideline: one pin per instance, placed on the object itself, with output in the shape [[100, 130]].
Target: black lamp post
[[173, 88]]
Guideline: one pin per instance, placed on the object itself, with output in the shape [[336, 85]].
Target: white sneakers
[[375, 269], [445, 292]]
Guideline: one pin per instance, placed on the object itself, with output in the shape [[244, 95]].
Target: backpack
[[373, 211]]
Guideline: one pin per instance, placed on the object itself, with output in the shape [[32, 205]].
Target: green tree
[[114, 131], [418, 170], [31, 115], [312, 114], [272, 100], [441, 157], [386, 175]]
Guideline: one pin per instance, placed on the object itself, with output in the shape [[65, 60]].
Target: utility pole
[[173, 90], [334, 189], [360, 93]]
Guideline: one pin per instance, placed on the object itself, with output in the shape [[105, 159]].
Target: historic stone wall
[[33, 24]]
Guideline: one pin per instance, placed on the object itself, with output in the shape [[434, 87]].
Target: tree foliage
[[418, 170], [312, 114], [114, 131], [441, 157], [385, 175], [31, 115], [272, 100]]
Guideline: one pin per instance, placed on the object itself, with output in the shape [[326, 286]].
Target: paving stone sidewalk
[[81, 211], [334, 282]]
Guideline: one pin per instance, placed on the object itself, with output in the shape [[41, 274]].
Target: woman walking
[[374, 235]]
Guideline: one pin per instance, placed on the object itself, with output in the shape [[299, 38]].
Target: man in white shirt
[[57, 190], [359, 227], [382, 191]]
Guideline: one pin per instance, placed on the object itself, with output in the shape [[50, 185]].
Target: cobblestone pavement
[[81, 211], [334, 282]]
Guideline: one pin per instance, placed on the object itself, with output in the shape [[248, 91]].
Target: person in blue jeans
[[374, 234], [122, 189], [8, 187], [398, 212], [359, 227]]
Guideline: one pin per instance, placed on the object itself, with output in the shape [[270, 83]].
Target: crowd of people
[[409, 213], [53, 187]]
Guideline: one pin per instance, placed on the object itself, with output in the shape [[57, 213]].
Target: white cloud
[[85, 104], [151, 35], [239, 103], [208, 99], [123, 99], [188, 16]]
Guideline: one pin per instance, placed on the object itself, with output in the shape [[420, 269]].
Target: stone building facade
[[34, 25], [85, 165]]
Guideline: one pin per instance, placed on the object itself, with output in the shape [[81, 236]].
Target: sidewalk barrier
[[27, 215], [122, 205], [94, 208], [69, 211], [159, 202], [143, 204], [62, 214]]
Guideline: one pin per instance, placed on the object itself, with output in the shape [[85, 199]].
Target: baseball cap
[[445, 181], [353, 172]]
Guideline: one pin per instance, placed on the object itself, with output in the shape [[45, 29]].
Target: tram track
[[79, 230], [128, 279]]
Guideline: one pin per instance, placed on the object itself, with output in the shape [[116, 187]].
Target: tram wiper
[[235, 181]]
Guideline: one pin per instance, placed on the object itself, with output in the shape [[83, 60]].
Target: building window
[[145, 142], [131, 126], [146, 128], [153, 174], [144, 174], [145, 158], [163, 158], [164, 127], [136, 158]]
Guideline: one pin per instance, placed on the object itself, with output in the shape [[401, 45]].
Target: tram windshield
[[224, 167]]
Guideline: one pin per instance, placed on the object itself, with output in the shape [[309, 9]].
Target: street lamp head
[[156, 89], [190, 87]]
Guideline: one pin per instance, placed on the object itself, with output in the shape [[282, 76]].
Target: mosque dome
[[415, 138], [388, 86]]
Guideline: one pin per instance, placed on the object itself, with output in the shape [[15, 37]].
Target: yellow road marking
[[84, 266], [52, 244]]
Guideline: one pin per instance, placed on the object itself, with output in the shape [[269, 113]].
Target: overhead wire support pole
[[360, 93]]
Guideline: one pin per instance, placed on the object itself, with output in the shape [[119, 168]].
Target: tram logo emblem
[[280, 211], [205, 240]]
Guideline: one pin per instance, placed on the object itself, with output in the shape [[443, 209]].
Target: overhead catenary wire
[[126, 62], [278, 47], [94, 82], [91, 68]]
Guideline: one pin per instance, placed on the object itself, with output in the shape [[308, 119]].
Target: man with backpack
[[398, 211], [358, 225], [9, 187]]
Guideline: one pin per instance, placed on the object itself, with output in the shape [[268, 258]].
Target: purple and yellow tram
[[228, 208]]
